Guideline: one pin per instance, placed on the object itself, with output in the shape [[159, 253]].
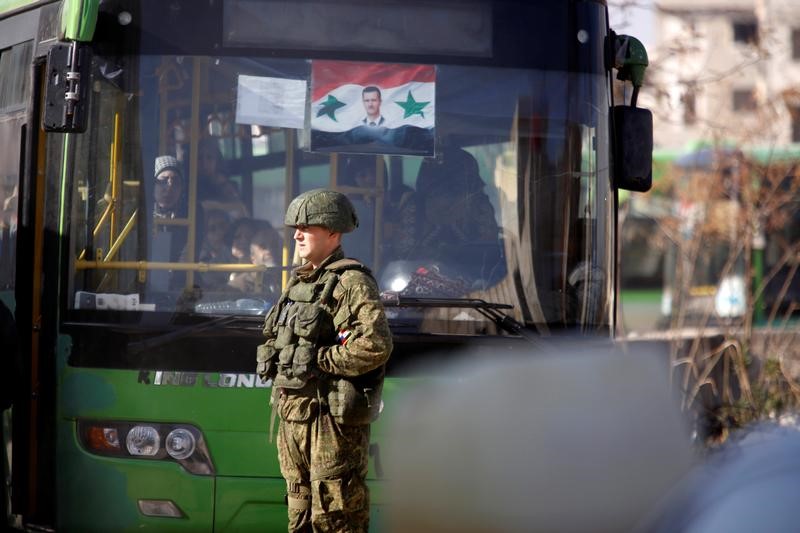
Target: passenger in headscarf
[[215, 248], [398, 214], [454, 211], [456, 221]]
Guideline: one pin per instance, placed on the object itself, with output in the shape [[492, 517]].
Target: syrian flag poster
[[373, 108]]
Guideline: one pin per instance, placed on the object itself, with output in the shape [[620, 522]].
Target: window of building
[[745, 32], [744, 100], [689, 101], [796, 44], [794, 112]]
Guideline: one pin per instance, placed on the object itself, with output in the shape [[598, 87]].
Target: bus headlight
[[182, 443], [399, 283], [143, 440]]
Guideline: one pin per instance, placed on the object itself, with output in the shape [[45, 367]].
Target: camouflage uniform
[[324, 460]]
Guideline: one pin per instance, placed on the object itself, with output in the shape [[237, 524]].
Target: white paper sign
[[276, 102]]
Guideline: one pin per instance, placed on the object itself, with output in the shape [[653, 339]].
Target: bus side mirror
[[67, 93], [633, 148]]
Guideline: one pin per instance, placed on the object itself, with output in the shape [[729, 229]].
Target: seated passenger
[[239, 236], [265, 250], [399, 212], [456, 220], [215, 190], [214, 248], [169, 203]]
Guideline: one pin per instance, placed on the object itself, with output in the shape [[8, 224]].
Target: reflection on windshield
[[181, 207]]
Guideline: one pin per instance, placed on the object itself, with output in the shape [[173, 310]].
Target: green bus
[[715, 243], [487, 202]]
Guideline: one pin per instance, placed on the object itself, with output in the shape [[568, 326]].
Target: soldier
[[328, 341]]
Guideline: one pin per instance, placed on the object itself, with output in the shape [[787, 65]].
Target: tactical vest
[[296, 327]]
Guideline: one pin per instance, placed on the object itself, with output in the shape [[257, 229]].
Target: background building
[[726, 71]]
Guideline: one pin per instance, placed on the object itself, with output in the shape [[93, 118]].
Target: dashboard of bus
[[482, 191]]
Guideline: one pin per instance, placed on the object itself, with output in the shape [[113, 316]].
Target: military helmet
[[322, 207]]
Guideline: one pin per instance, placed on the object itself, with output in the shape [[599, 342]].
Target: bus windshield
[[471, 181]]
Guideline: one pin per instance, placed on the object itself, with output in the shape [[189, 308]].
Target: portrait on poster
[[373, 108]]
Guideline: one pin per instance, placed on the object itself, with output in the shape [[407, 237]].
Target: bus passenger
[[168, 192], [241, 233], [215, 190], [399, 212], [457, 221], [239, 236], [215, 248], [327, 344], [169, 203], [359, 171], [265, 250]]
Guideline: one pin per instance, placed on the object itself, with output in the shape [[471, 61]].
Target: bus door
[[28, 235]]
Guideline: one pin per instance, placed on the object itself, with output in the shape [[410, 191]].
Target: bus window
[[10, 128], [449, 225], [14, 65], [510, 203]]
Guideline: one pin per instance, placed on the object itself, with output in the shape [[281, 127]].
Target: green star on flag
[[329, 107], [412, 107]]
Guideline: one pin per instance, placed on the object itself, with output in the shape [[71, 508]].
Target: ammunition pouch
[[266, 366], [295, 367], [269, 321], [285, 358], [285, 337], [356, 402], [309, 321], [298, 496]]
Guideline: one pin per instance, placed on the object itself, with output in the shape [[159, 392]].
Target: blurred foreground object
[[751, 484], [575, 438]]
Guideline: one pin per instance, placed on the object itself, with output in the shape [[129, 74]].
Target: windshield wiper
[[490, 310], [185, 331]]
